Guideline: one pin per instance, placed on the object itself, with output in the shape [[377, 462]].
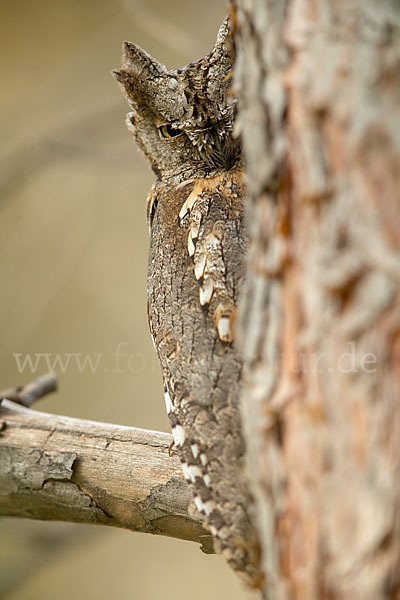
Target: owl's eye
[[166, 131]]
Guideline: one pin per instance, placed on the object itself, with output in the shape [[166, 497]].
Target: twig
[[28, 394]]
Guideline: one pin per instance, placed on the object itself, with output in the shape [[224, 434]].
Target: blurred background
[[73, 254]]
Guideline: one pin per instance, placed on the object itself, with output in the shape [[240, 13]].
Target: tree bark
[[64, 469], [319, 114]]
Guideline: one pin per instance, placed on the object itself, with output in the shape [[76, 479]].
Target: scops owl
[[182, 119]]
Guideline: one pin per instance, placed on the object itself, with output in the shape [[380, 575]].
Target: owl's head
[[183, 119]]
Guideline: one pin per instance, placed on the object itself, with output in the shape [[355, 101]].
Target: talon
[[172, 444]]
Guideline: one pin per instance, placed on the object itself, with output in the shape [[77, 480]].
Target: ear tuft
[[121, 75], [224, 47], [224, 32], [221, 59], [137, 59]]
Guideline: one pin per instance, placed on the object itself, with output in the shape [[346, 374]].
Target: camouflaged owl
[[183, 119]]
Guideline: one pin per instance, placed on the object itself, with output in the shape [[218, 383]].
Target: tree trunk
[[319, 113]]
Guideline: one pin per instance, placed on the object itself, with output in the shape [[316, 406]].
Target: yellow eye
[[166, 131]]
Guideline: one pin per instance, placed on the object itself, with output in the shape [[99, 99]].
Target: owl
[[183, 121]]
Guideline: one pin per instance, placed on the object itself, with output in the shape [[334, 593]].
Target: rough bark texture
[[318, 83], [58, 468]]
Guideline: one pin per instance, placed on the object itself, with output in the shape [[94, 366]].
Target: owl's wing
[[216, 252], [196, 265]]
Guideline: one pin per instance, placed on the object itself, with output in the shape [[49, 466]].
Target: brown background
[[73, 252]]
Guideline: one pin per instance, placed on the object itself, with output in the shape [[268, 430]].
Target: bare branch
[[28, 394], [59, 468]]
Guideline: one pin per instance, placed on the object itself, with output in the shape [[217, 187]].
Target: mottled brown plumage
[[182, 120]]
